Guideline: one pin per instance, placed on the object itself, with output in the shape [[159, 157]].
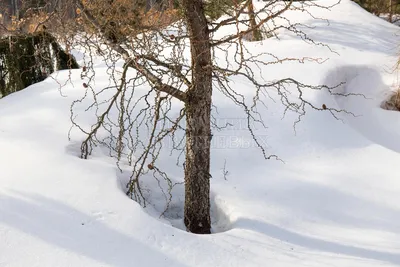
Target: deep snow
[[333, 201]]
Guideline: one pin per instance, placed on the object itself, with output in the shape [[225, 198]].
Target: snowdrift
[[333, 201]]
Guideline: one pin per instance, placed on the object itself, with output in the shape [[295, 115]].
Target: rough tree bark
[[198, 131]]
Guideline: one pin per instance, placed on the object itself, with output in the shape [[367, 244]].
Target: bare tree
[[153, 46]]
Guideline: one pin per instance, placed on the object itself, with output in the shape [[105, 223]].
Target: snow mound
[[333, 201]]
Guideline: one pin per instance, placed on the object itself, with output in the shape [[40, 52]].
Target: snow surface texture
[[335, 201]]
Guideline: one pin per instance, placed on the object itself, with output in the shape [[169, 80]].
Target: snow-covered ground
[[333, 201], [395, 18]]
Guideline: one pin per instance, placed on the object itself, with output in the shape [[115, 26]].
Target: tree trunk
[[256, 33], [171, 4], [28, 59], [198, 132]]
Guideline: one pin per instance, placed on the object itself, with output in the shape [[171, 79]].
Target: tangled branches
[[142, 110]]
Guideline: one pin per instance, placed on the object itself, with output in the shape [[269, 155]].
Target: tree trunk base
[[197, 226]]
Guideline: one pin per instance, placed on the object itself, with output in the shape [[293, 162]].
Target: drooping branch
[[133, 62], [176, 69], [157, 82], [86, 145]]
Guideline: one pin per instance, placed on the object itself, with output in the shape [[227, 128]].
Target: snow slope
[[334, 201]]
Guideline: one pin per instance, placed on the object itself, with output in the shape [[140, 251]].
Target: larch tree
[[154, 46]]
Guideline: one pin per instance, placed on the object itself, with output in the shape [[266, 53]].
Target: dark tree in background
[[28, 59], [381, 7]]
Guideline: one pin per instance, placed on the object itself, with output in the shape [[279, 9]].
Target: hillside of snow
[[332, 200]]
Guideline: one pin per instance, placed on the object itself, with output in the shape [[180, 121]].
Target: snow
[[333, 200]]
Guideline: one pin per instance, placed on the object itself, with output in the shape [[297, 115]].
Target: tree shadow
[[315, 243], [326, 204], [67, 228]]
